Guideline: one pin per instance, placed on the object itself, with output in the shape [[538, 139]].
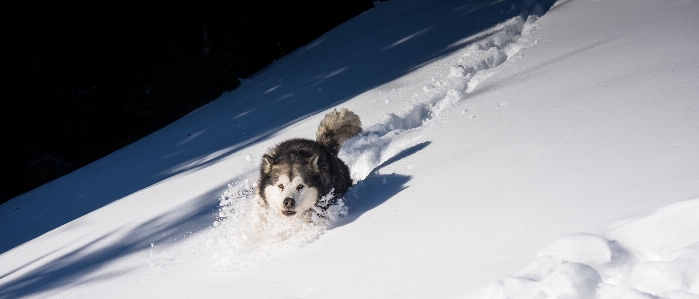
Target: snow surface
[[512, 149]]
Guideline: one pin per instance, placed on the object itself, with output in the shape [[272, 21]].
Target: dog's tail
[[336, 128]]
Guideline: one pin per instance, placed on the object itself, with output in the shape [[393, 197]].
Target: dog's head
[[290, 185]]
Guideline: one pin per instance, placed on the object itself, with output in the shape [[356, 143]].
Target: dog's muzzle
[[289, 204]]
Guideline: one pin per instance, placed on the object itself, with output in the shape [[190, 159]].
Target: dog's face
[[290, 195], [290, 187]]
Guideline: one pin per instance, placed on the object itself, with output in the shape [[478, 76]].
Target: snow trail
[[383, 140], [248, 234]]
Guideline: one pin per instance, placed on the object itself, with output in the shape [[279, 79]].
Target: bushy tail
[[336, 128]]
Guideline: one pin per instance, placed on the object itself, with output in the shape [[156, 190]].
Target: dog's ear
[[313, 161], [266, 165], [318, 164]]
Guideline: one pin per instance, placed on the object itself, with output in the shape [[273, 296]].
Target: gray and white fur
[[296, 173]]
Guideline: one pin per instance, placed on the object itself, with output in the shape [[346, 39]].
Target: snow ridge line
[[381, 141]]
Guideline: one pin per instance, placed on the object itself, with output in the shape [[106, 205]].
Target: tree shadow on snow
[[79, 266], [357, 56]]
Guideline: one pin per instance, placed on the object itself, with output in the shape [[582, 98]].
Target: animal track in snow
[[382, 140]]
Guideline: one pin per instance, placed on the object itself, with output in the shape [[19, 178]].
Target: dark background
[[85, 79]]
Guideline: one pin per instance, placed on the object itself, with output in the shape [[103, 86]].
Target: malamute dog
[[296, 173]]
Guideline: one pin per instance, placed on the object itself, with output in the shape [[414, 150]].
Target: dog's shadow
[[376, 188]]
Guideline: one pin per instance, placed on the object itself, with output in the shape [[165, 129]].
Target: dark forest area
[[85, 79]]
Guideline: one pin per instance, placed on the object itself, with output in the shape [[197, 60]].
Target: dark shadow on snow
[[376, 188], [370, 193], [73, 267], [296, 87], [404, 153]]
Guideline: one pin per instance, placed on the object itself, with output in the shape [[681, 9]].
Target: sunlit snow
[[511, 149]]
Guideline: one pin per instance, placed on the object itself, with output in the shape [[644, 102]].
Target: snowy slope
[[502, 157]]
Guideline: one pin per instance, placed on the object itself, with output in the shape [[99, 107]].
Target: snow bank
[[656, 256]]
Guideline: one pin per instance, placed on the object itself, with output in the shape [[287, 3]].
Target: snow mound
[[248, 234], [580, 248], [656, 256]]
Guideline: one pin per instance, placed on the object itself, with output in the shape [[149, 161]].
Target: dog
[[297, 173]]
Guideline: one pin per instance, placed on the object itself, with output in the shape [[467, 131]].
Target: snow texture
[[511, 149], [656, 256], [248, 234]]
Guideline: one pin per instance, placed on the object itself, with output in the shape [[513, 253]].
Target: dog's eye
[[281, 186], [299, 187]]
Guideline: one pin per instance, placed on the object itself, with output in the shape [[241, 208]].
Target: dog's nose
[[289, 203]]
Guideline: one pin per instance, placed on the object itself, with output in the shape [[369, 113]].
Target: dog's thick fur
[[296, 173]]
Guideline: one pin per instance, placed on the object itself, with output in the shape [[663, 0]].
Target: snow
[[656, 256], [511, 149]]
